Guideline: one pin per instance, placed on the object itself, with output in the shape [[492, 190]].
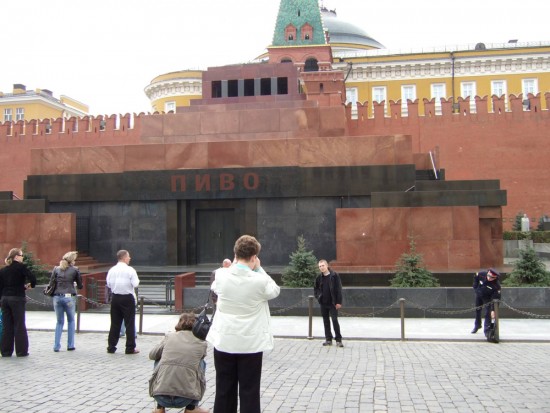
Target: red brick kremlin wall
[[18, 138], [512, 146]]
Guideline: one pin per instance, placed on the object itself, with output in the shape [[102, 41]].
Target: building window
[[216, 89], [7, 115], [379, 94], [498, 88], [529, 86], [249, 87], [20, 114], [408, 92], [282, 86], [170, 107], [290, 32], [468, 89], [265, 86], [233, 88], [307, 31], [311, 65], [351, 97], [438, 93]]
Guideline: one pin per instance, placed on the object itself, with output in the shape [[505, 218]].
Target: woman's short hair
[[246, 246], [68, 259], [186, 321], [14, 252]]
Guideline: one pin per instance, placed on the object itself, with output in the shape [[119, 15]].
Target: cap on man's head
[[494, 272]]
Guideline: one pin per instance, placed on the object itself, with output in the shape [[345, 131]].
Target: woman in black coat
[[15, 279]]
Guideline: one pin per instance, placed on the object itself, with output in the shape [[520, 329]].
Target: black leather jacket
[[335, 285]]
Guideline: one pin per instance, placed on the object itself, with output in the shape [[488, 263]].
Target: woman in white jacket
[[241, 330]]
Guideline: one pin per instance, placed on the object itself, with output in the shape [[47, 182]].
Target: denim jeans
[[64, 305]]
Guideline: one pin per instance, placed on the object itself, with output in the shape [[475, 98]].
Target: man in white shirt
[[122, 280]]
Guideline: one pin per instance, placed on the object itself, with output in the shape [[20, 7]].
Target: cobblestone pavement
[[299, 375]]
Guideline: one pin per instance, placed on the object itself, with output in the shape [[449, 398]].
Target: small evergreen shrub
[[33, 264], [529, 271], [302, 268], [411, 271]]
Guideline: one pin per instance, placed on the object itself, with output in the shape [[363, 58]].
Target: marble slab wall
[[48, 236], [447, 237]]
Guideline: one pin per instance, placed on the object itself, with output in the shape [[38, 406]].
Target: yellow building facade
[[480, 70], [170, 90], [22, 104]]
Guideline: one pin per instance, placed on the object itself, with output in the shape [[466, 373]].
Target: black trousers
[[487, 322], [237, 374], [479, 303], [329, 310], [123, 308], [15, 329]]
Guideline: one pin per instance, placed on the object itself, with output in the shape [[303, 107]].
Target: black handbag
[[50, 288], [202, 324]]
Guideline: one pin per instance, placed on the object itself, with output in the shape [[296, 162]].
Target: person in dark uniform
[[328, 291], [478, 300], [490, 290]]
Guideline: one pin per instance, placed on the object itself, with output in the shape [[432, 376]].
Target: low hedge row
[[536, 236]]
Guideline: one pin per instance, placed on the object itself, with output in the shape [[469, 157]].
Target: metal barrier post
[[141, 315], [310, 309], [77, 313], [169, 286], [495, 304], [402, 306]]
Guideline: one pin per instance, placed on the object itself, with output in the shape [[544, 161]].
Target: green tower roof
[[298, 13]]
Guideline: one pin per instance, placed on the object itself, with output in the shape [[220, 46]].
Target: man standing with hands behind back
[[122, 280], [328, 291]]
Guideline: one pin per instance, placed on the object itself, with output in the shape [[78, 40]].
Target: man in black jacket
[[328, 291]]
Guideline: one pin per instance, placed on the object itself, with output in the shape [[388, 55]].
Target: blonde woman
[[64, 298], [15, 278]]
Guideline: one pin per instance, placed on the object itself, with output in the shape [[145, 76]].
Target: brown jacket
[[178, 372]]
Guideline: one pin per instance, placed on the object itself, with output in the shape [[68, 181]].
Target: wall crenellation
[[73, 128], [494, 106]]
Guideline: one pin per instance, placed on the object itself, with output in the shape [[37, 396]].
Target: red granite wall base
[[448, 237]]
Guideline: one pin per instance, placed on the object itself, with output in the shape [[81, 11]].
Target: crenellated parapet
[[498, 107], [74, 130]]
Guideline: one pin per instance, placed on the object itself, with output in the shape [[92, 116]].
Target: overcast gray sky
[[104, 53]]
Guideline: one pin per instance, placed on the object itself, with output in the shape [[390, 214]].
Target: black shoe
[[327, 343], [134, 351], [71, 349], [339, 344], [23, 355], [475, 329], [111, 351]]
